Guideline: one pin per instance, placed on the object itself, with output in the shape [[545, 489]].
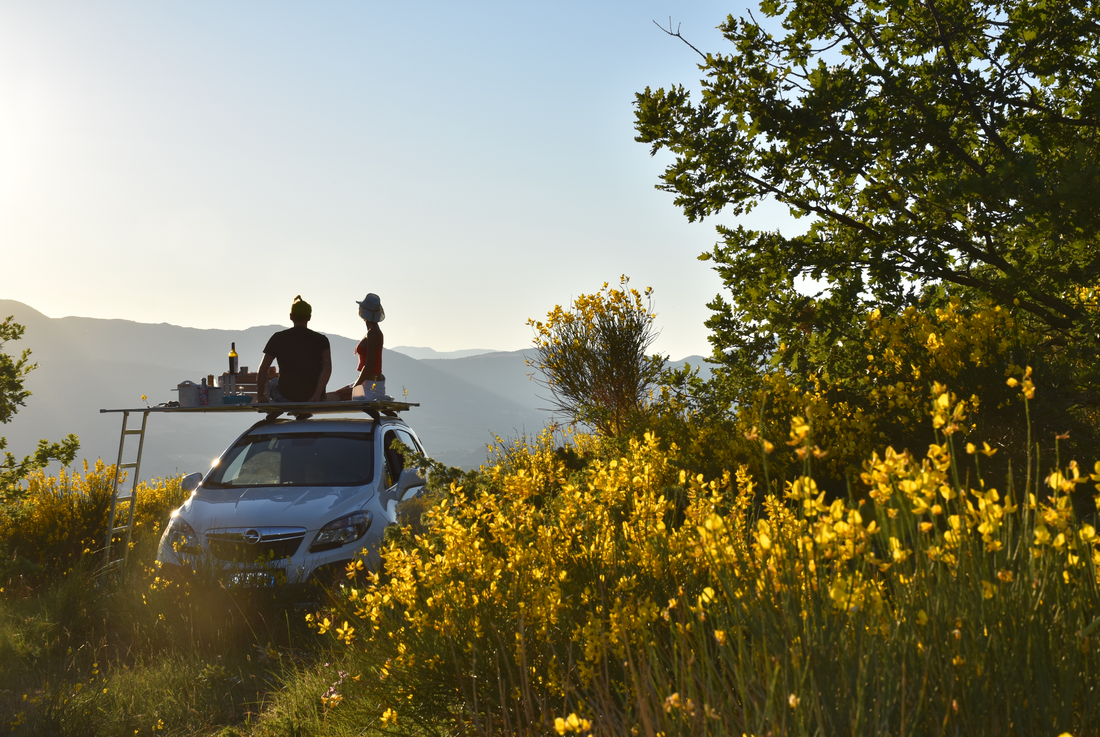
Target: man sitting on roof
[[305, 363], [369, 352]]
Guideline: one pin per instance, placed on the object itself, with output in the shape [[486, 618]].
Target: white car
[[294, 500]]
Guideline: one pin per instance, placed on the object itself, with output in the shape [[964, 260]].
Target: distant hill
[[500, 373], [697, 362], [508, 374], [422, 353], [86, 364]]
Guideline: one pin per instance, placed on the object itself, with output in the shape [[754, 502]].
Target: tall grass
[[133, 653]]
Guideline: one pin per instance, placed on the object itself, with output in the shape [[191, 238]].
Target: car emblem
[[252, 537]]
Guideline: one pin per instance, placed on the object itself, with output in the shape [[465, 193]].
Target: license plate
[[250, 579]]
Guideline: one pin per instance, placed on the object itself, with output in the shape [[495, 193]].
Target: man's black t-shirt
[[298, 351]]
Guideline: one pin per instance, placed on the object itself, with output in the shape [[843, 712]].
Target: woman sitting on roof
[[369, 353]]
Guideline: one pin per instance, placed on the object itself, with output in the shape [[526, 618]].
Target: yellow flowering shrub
[[633, 593], [594, 358], [876, 393], [60, 518]]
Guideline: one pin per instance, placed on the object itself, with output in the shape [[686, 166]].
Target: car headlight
[[342, 531], [181, 536]]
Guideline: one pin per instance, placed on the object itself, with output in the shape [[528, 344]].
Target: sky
[[474, 164]]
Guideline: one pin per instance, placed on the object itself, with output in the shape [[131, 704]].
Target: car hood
[[283, 506]]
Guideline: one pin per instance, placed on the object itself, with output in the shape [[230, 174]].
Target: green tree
[[13, 372], [594, 357], [939, 147]]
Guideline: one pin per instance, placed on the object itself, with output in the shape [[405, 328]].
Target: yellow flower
[[572, 723], [389, 715], [345, 633], [897, 552], [799, 429]]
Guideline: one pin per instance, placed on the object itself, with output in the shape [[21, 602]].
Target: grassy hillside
[[590, 592]]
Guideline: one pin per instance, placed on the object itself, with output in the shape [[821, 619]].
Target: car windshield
[[305, 459]]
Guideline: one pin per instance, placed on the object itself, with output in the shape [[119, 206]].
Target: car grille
[[254, 544]]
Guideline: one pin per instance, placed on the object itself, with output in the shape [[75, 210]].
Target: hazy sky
[[201, 163]]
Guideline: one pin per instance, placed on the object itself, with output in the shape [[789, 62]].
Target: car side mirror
[[410, 479], [191, 481]]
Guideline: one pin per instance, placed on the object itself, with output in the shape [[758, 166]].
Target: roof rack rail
[[387, 407]]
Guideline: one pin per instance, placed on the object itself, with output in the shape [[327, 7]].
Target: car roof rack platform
[[382, 406]]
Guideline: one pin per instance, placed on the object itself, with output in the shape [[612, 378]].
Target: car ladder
[[121, 521]]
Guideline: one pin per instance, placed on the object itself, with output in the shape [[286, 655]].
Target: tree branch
[[947, 141], [676, 34], [968, 95]]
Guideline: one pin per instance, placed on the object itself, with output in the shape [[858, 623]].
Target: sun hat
[[370, 308], [301, 308]]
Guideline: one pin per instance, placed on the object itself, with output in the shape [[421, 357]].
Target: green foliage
[[593, 357], [13, 372], [940, 148], [876, 393], [701, 418]]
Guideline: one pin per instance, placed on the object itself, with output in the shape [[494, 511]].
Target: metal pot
[[189, 394]]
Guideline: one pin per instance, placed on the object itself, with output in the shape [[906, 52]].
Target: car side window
[[394, 459], [409, 440]]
